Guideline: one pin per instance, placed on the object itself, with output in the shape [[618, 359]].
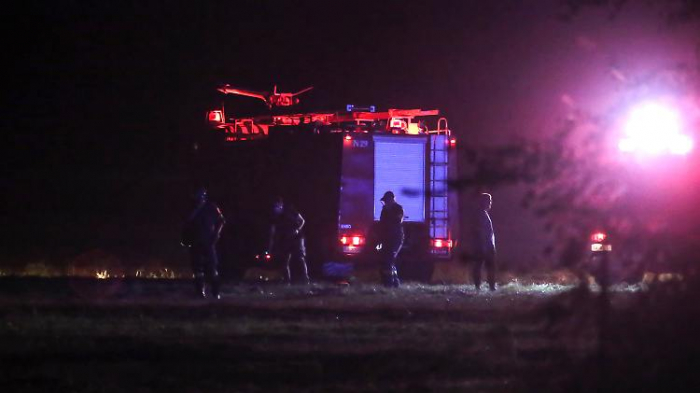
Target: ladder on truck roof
[[439, 175], [398, 121]]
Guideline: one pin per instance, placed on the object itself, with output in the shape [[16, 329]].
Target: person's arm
[[300, 223], [400, 214], [491, 233], [220, 222]]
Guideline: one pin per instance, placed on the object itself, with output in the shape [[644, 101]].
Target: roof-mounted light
[[354, 108], [216, 116]]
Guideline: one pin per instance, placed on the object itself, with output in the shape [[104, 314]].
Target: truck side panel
[[399, 166], [357, 186]]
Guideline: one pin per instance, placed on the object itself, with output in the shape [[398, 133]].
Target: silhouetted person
[[202, 230], [391, 238], [287, 241], [485, 243]]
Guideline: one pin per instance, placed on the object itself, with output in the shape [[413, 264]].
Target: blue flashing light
[[353, 108]]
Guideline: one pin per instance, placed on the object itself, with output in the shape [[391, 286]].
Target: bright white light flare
[[655, 129]]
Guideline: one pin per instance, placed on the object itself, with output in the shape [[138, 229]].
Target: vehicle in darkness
[[632, 261], [334, 166]]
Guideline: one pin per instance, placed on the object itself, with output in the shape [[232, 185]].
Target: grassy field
[[65, 335]]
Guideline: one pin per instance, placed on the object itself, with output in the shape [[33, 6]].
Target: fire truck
[[334, 166]]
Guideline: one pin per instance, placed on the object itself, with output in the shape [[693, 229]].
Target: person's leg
[[389, 272], [386, 266], [395, 281], [286, 259], [213, 271], [299, 257], [491, 271], [476, 272], [196, 258]]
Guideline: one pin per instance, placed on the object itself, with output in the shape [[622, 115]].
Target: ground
[[153, 336]]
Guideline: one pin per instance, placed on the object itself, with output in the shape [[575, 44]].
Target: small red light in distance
[[453, 142], [266, 257], [599, 237], [348, 138], [344, 240], [216, 116], [442, 243]]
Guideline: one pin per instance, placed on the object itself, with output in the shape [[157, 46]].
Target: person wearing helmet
[[391, 237], [286, 242], [201, 232]]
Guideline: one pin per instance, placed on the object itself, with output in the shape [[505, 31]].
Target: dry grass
[[152, 336]]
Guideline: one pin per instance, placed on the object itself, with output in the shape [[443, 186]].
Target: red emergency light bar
[[599, 237], [258, 127], [388, 115]]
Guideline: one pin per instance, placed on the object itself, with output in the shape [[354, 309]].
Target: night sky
[[101, 98]]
